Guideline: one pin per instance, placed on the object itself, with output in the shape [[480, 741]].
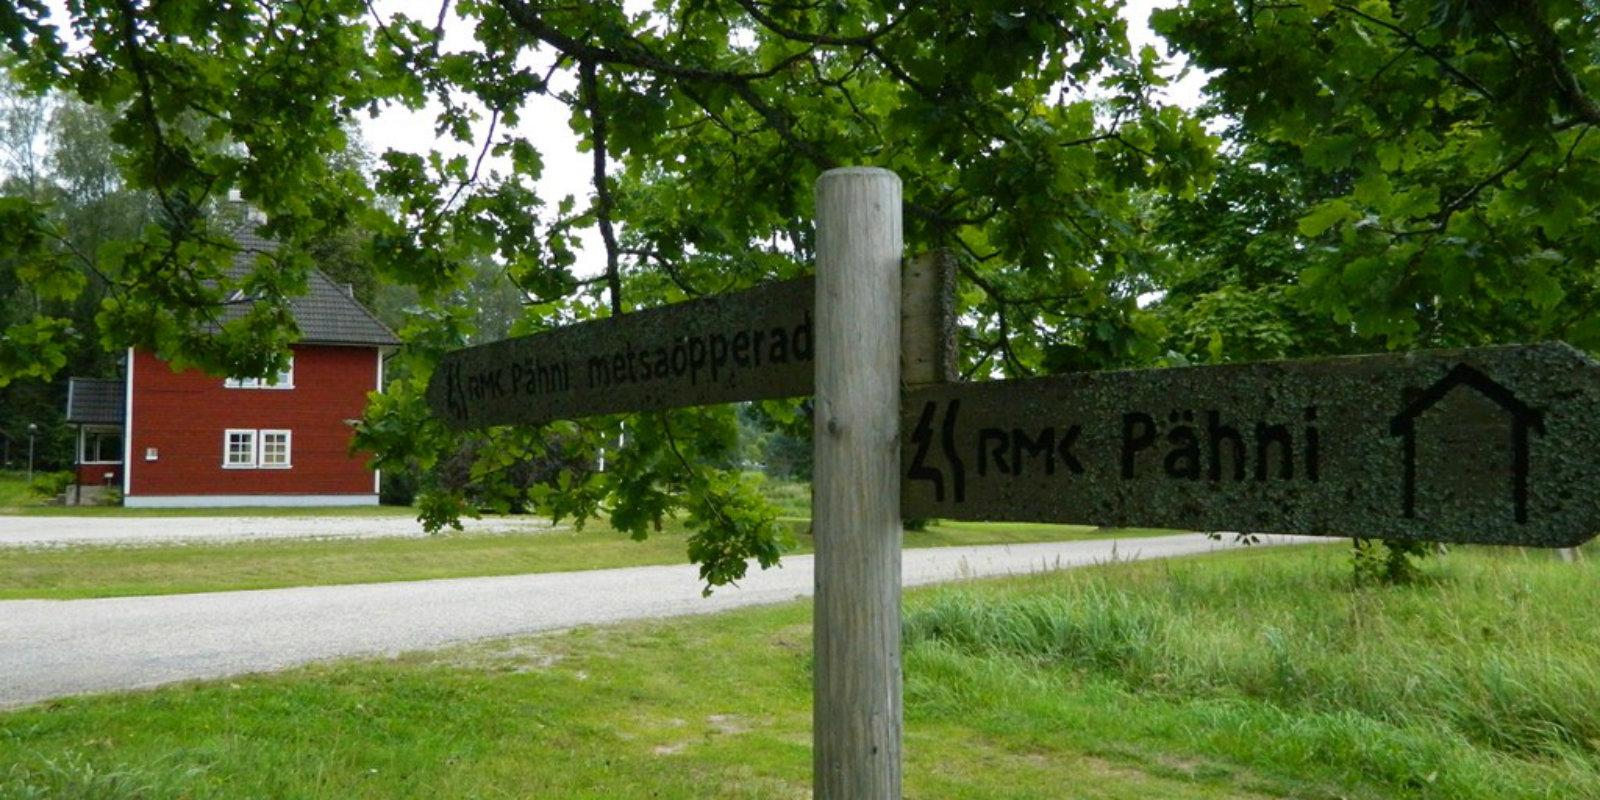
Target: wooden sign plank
[[750, 345], [1494, 446]]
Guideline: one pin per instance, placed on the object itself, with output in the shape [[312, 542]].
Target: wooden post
[[856, 721], [928, 320]]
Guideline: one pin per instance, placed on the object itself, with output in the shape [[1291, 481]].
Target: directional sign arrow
[[1494, 446], [749, 345]]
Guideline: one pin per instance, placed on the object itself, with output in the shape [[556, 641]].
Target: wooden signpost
[[838, 337], [1492, 445]]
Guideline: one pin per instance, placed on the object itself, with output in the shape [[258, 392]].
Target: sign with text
[[749, 345], [1493, 446]]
